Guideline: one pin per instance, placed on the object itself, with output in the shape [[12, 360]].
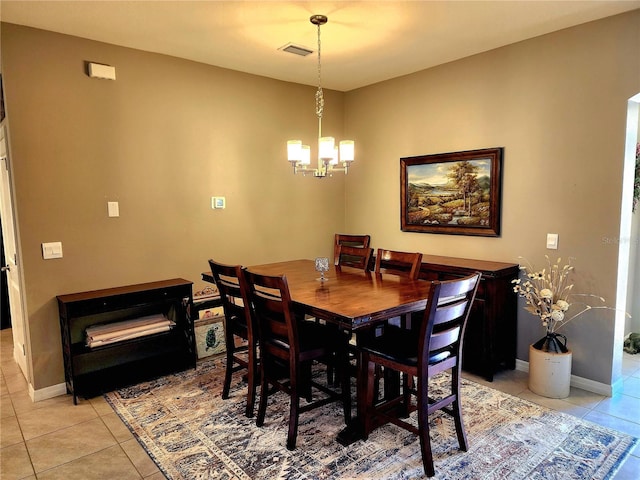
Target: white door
[[11, 262]]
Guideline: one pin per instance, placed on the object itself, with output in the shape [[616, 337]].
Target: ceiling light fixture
[[331, 158]]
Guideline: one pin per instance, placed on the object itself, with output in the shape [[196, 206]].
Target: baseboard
[[580, 382], [48, 392]]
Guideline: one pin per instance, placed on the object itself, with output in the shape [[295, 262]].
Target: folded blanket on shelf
[[98, 335]]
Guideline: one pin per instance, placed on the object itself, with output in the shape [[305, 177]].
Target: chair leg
[[407, 385], [293, 416], [457, 410], [264, 394], [423, 429], [345, 380], [230, 347], [251, 381], [370, 397]]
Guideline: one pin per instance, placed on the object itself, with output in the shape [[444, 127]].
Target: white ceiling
[[364, 42]]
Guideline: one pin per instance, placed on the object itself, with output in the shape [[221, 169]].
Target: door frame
[[20, 328]]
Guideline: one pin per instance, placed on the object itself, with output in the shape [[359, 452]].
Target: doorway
[[627, 297]]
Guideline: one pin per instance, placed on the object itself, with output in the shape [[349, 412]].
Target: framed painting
[[456, 193]]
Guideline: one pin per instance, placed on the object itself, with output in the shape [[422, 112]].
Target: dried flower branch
[[548, 294]]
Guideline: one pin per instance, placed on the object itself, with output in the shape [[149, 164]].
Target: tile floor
[[53, 439]]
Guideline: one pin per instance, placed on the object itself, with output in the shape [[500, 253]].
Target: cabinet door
[[476, 338]]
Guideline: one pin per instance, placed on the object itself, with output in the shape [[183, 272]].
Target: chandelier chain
[[319, 93]]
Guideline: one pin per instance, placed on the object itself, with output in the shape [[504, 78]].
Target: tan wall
[[161, 140], [169, 134], [557, 104]]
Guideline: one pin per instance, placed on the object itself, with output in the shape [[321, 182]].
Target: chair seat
[[399, 345]]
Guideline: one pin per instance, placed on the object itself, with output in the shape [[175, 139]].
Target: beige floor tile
[[101, 405], [10, 433], [631, 387], [4, 390], [621, 406], [583, 398], [22, 402], [629, 470], [156, 476], [16, 382], [6, 407], [560, 405], [35, 423], [68, 444], [117, 427], [139, 457], [15, 462], [110, 463]]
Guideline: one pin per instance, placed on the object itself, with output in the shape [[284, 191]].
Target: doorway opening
[[627, 297]]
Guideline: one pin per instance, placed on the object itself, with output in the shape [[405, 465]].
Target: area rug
[[191, 433]]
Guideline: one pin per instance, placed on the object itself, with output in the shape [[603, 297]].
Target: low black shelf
[[93, 370]]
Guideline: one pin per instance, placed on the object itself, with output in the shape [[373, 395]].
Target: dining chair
[[349, 240], [288, 347], [238, 323], [404, 264], [356, 257], [437, 348]]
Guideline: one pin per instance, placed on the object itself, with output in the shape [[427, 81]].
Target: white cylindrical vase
[[549, 373]]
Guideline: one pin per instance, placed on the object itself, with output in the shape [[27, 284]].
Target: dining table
[[355, 300]]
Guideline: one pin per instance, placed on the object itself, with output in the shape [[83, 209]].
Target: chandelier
[[331, 157]]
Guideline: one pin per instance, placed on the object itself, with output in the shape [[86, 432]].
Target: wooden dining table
[[353, 299]]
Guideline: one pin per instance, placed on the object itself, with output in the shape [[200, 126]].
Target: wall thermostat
[[218, 202]]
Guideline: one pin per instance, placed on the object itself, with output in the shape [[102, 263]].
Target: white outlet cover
[[552, 241]]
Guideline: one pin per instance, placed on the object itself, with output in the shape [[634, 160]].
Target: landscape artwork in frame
[[454, 193]]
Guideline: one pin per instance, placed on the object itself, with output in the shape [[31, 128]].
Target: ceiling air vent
[[296, 49]]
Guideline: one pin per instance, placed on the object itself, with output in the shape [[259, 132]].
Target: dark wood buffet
[[490, 338]]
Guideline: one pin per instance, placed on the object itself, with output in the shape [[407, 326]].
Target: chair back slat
[[444, 338], [404, 264], [356, 257]]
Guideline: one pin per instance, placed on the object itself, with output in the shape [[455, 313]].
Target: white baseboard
[[580, 382], [48, 392]]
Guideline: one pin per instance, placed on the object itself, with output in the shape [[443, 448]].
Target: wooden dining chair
[[349, 240], [288, 347], [356, 257], [404, 264], [437, 348], [238, 323]]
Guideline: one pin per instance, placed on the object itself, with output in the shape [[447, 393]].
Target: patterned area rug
[[192, 433]]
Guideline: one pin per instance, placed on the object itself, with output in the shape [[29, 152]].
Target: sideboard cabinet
[[92, 370], [490, 337]]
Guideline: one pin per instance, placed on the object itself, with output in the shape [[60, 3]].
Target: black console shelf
[[90, 371]]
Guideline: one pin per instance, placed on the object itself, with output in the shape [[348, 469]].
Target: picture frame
[[455, 193], [209, 331]]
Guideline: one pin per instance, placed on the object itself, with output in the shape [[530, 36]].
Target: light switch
[[552, 241], [52, 250], [113, 208]]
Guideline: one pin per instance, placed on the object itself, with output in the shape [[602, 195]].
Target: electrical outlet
[[552, 241]]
